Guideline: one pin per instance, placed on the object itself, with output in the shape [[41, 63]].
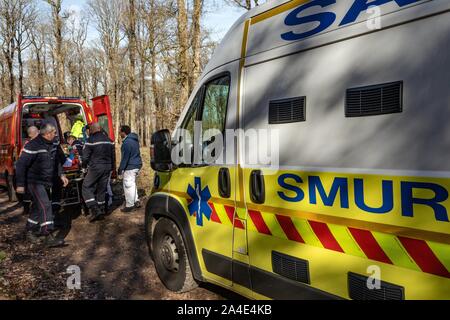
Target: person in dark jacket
[[32, 133], [130, 165], [60, 159], [99, 159], [35, 171]]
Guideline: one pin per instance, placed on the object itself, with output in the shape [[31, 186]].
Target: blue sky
[[219, 17]]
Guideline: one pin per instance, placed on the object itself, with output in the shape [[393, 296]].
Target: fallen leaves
[[112, 256]]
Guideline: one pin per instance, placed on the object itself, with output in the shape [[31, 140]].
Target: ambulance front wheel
[[170, 257]]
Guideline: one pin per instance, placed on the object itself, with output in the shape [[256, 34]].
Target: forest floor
[[111, 254]]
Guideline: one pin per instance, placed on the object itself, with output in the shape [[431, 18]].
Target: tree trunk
[[183, 61], [80, 74], [132, 49], [12, 83], [46, 83], [143, 100], [20, 61], [115, 97], [3, 84], [156, 94], [40, 80], [58, 50], [196, 43], [155, 123]]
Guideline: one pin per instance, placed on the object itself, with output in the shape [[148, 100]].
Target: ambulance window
[[215, 105], [214, 114], [191, 116]]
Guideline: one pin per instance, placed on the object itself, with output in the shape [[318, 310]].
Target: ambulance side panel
[[334, 239], [418, 139]]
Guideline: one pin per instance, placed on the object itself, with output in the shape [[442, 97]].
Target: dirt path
[[112, 255]]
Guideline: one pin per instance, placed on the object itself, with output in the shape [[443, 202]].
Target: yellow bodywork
[[328, 268]]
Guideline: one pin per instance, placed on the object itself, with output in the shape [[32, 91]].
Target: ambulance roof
[[230, 47], [279, 27]]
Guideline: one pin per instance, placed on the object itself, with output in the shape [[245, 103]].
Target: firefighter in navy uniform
[[57, 188], [35, 172], [98, 158], [32, 133], [60, 159]]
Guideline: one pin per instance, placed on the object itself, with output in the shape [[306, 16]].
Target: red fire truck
[[29, 111]]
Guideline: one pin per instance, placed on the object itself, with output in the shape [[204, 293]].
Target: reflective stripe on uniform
[[98, 143], [90, 200], [33, 222], [34, 152], [47, 224]]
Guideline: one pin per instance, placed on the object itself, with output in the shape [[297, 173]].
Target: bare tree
[[130, 25], [37, 38], [25, 23], [58, 23], [147, 58], [9, 15], [108, 17], [78, 26], [196, 42]]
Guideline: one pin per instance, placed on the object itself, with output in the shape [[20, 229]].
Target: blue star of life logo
[[199, 206]]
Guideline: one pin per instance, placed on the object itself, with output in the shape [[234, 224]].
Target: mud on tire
[[170, 257]]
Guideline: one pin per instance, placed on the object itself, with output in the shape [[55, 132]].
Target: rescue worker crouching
[[35, 171], [98, 159]]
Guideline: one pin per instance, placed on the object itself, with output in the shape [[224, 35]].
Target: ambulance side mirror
[[160, 151]]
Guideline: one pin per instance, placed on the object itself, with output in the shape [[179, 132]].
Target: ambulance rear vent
[[287, 110], [358, 287], [290, 267], [374, 100]]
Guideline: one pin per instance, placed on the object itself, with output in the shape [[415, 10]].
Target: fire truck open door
[[101, 109]]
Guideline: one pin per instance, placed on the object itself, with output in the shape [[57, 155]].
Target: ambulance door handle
[[224, 183], [257, 187]]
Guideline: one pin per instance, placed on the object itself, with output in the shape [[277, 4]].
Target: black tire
[[11, 190], [170, 257]]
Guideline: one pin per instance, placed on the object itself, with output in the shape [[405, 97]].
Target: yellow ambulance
[[313, 159]]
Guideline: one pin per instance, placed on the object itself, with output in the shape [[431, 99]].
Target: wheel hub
[[169, 254]]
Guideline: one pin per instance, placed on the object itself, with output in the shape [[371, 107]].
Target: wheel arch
[[165, 206]]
